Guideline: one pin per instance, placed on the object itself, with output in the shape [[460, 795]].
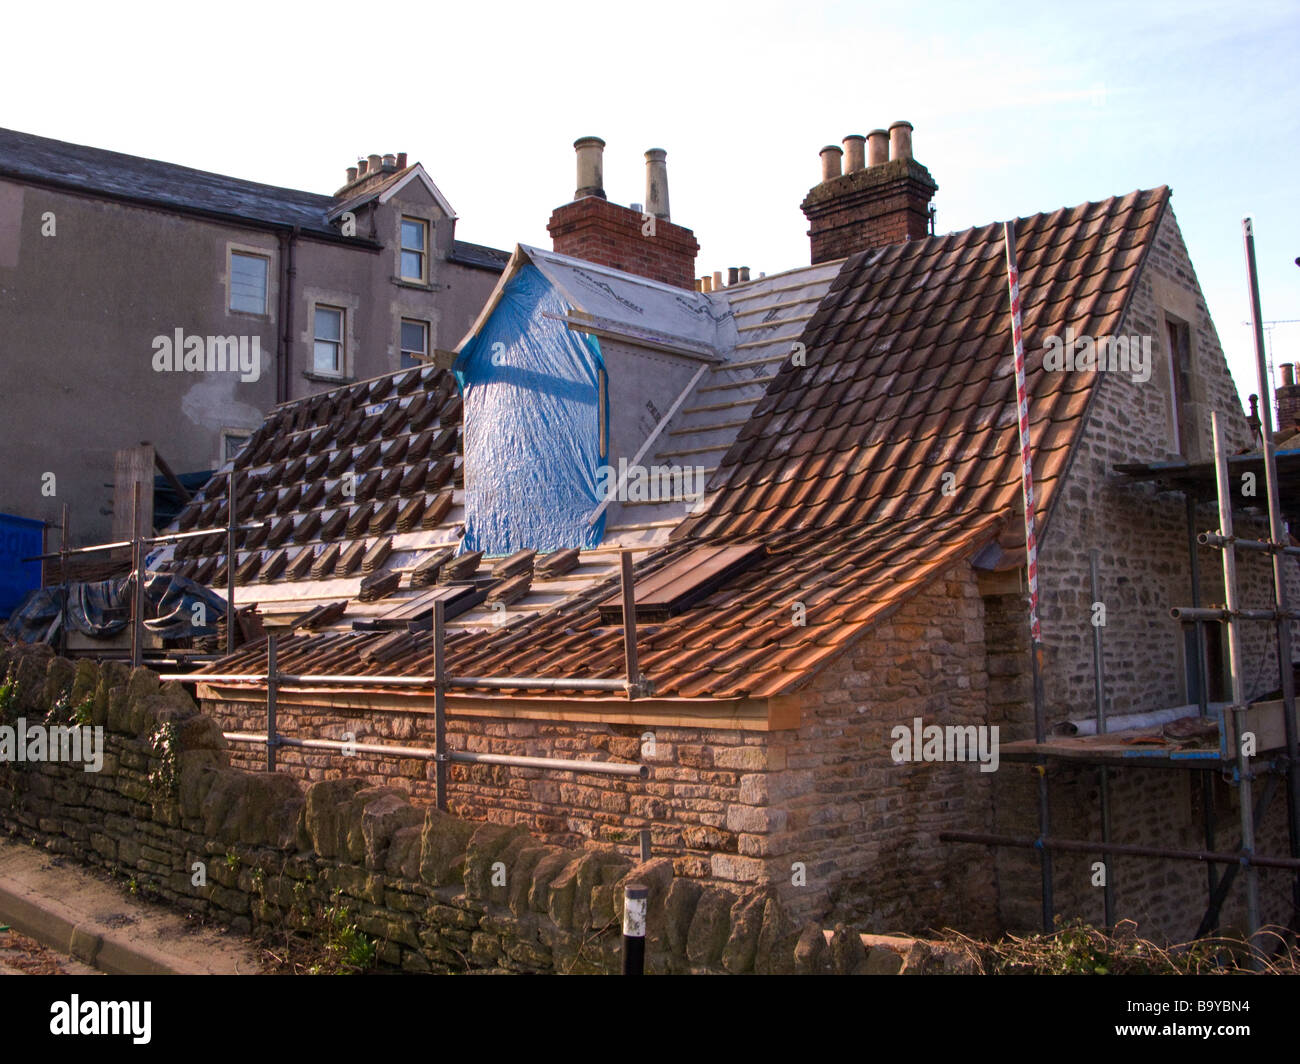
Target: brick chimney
[[371, 170], [1288, 398], [641, 242], [882, 197]]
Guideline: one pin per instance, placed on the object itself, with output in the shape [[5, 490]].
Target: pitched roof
[[79, 168], [607, 298], [385, 189], [908, 377], [96, 170], [839, 471]]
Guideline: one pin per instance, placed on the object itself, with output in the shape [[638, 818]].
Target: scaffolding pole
[[439, 706], [63, 579], [1203, 685], [1278, 534], [1099, 687], [1238, 707], [137, 574], [230, 563]]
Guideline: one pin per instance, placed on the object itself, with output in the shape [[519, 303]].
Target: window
[[248, 275], [414, 240], [329, 341], [415, 343], [1179, 341]]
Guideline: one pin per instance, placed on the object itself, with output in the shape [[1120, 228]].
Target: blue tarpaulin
[[536, 425], [20, 537]]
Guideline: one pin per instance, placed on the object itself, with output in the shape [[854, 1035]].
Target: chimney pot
[[362, 167], [855, 152], [877, 147], [591, 167], [717, 280], [706, 283], [390, 162], [831, 162], [733, 275], [656, 184], [375, 162], [1288, 374], [900, 140], [744, 274], [401, 160], [352, 174]]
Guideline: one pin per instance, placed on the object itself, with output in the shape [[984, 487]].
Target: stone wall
[[819, 813], [867, 829], [1144, 571], [437, 893]]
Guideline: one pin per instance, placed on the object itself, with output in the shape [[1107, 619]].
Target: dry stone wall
[[436, 893]]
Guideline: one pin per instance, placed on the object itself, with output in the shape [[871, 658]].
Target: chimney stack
[[886, 201], [625, 238], [855, 152], [591, 167], [656, 183], [1288, 398]]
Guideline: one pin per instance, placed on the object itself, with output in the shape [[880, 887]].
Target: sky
[[1016, 109]]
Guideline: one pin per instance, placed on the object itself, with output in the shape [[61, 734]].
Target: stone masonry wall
[[866, 828], [437, 893], [732, 806], [1144, 571]]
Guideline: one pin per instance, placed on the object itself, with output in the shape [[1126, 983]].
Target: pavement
[[98, 923]]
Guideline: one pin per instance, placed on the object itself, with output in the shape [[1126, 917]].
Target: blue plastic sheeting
[[101, 609], [533, 424], [20, 537]]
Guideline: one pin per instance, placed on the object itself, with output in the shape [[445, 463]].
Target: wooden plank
[[716, 714], [132, 466]]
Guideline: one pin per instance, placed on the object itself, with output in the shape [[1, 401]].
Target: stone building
[[854, 565], [140, 300]]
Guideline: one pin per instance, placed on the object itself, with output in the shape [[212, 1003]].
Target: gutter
[[288, 271]]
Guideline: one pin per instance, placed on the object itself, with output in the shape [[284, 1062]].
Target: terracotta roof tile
[[871, 470]]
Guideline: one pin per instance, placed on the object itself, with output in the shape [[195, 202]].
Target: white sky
[[1015, 111]]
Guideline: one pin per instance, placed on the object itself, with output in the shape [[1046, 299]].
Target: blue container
[[20, 537]]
